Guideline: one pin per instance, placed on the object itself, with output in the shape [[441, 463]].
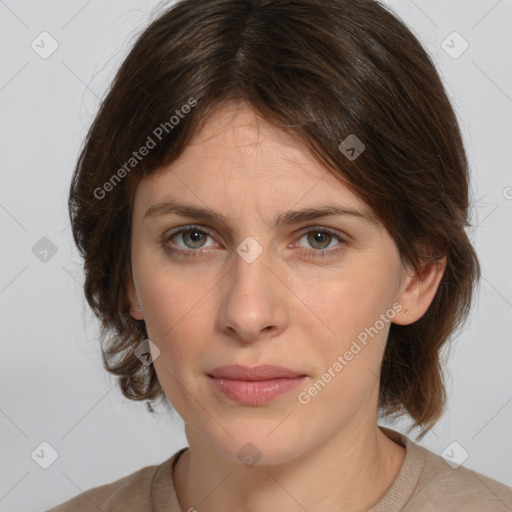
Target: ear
[[418, 291], [135, 309]]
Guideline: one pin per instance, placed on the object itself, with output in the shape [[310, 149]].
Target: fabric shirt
[[425, 483]]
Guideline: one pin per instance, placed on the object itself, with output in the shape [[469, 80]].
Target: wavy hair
[[323, 69]]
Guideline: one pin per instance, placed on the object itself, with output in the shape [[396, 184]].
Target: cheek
[[347, 333], [343, 304], [167, 293], [162, 310], [176, 321], [175, 316], [347, 346]]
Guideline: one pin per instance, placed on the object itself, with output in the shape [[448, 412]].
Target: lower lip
[[255, 392]]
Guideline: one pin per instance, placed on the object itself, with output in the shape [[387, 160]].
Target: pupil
[[194, 239], [320, 237]]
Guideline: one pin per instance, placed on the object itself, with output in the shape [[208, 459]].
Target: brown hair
[[323, 69]]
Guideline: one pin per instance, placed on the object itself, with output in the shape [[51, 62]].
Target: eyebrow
[[283, 219]]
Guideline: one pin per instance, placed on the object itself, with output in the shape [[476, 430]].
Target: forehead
[[238, 138], [238, 154], [239, 126]]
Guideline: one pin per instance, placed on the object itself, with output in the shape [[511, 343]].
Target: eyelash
[[307, 254]]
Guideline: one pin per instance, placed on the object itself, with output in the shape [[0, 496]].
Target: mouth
[[258, 373], [254, 386]]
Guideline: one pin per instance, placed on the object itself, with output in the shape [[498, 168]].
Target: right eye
[[191, 238]]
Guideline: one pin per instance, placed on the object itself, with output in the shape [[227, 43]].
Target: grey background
[[53, 387]]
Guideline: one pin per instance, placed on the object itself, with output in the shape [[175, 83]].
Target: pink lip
[[254, 386]]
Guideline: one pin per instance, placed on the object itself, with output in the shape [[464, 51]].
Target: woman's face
[[263, 287]]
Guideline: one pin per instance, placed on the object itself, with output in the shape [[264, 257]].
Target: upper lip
[[263, 372]]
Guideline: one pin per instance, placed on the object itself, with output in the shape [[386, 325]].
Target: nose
[[253, 305]]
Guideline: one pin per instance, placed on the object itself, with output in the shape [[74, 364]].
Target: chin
[[264, 443]]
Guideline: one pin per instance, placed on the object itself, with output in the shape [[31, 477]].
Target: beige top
[[425, 483]]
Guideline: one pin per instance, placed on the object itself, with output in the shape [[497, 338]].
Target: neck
[[351, 471]]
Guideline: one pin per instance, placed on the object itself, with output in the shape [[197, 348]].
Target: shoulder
[[428, 483], [132, 492], [447, 488]]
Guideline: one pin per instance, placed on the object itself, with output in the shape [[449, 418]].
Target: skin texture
[[283, 308]]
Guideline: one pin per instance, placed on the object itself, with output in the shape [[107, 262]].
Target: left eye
[[320, 238]]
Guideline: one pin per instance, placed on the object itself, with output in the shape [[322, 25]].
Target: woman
[[271, 207]]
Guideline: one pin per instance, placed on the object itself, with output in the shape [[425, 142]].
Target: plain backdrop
[[53, 388]]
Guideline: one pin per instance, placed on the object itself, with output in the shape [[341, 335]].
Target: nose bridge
[[252, 299], [251, 263]]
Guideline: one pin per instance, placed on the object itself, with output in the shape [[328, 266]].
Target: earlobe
[[137, 313], [135, 308], [419, 292]]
